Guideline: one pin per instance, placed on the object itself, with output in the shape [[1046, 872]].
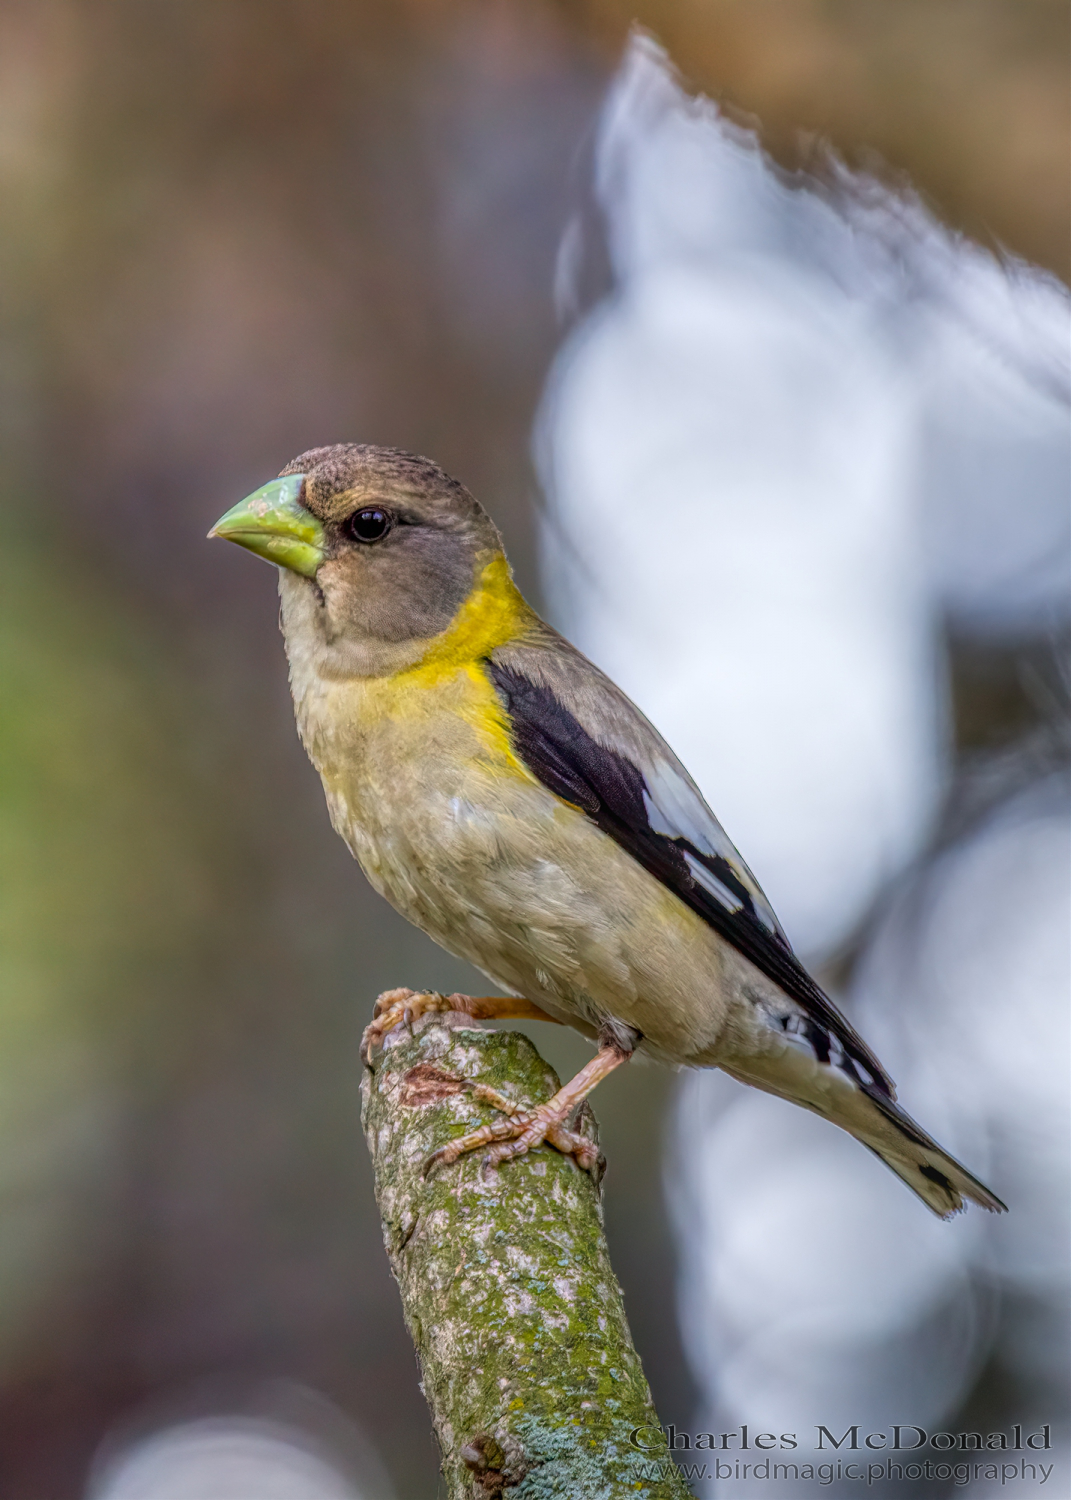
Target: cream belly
[[470, 848]]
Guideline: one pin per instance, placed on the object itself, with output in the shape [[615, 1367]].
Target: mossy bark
[[535, 1388]]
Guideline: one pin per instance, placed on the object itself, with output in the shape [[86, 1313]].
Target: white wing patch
[[676, 810], [710, 882]]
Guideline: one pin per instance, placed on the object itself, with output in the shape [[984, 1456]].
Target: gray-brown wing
[[585, 741]]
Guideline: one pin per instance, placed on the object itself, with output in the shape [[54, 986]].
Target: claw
[[405, 1007], [497, 1130], [522, 1131], [398, 1008]]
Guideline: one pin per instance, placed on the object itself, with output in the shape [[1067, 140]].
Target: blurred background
[[820, 326]]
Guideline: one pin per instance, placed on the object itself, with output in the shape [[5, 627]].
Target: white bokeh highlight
[[808, 431], [764, 487], [817, 1290], [224, 1458]]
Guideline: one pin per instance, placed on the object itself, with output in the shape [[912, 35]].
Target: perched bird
[[507, 798]]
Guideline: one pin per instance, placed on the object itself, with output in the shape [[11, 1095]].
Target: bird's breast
[[424, 787], [410, 762]]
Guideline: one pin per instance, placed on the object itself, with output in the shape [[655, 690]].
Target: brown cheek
[[364, 597], [398, 592]]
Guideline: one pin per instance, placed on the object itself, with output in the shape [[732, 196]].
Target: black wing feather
[[610, 790]]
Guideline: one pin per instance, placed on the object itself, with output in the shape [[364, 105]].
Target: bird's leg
[[402, 1007], [524, 1129]]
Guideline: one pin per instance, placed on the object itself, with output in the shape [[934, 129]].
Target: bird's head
[[377, 550]]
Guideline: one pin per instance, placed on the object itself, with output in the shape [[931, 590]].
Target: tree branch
[[534, 1385]]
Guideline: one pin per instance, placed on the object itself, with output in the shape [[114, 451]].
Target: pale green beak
[[272, 523]]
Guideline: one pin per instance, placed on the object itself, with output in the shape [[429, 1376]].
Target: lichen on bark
[[528, 1364]]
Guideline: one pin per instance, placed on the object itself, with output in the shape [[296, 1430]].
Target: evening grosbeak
[[506, 797]]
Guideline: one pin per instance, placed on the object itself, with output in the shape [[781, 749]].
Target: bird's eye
[[369, 525]]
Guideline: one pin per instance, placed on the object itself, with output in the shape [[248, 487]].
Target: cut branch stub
[[529, 1369]]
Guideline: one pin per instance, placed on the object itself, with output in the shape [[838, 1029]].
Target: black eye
[[369, 525]]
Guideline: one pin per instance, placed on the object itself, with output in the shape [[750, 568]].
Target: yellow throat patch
[[494, 612]]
